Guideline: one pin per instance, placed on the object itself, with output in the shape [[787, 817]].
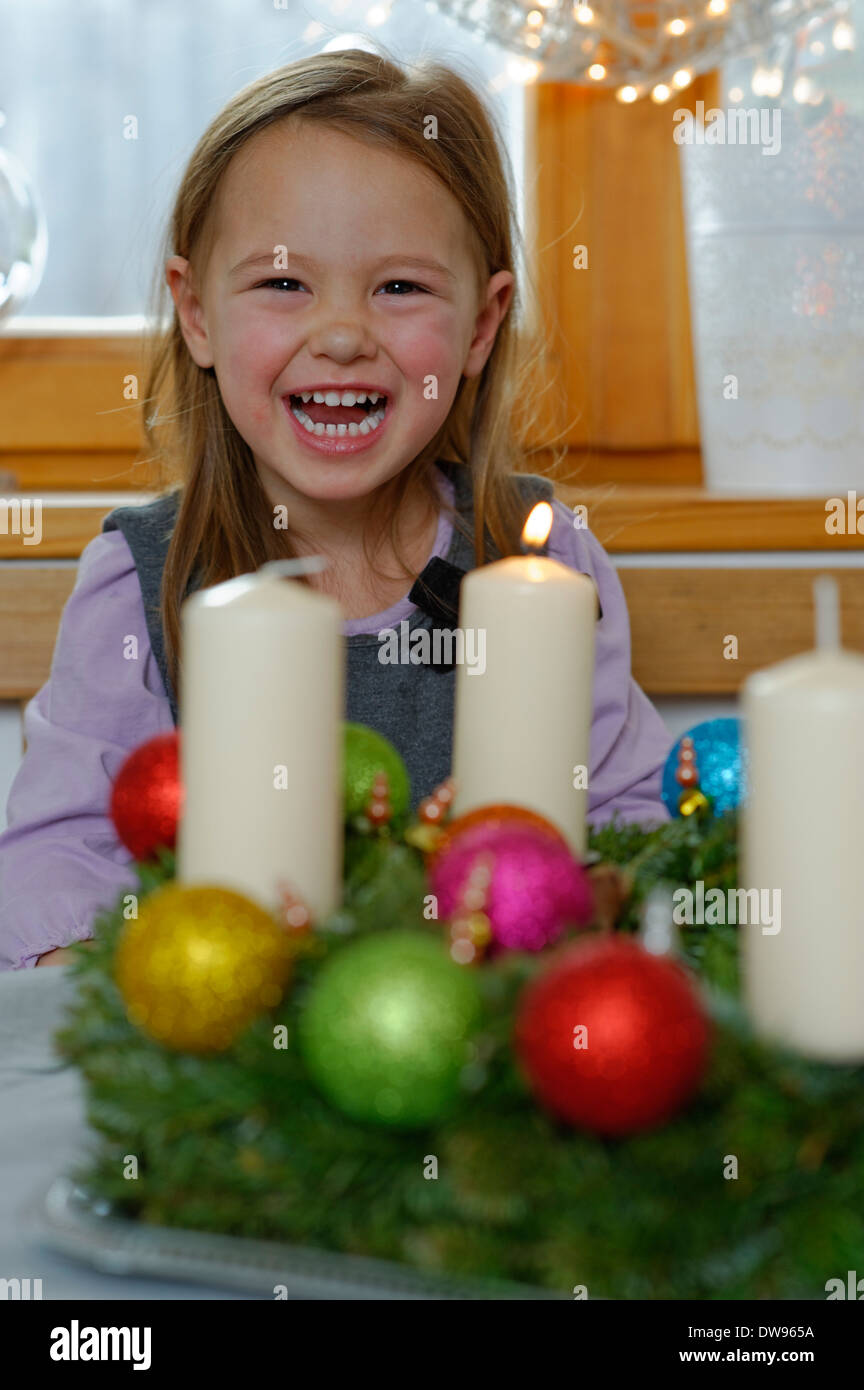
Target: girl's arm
[[61, 956], [629, 741], [60, 857]]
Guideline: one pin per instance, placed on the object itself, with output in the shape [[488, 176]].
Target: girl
[[342, 353]]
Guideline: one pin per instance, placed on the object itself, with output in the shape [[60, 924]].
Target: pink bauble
[[535, 890]]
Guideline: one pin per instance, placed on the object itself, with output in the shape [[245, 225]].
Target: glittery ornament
[[199, 964], [366, 755], [612, 1039], [496, 814], [386, 1026], [715, 749], [535, 886], [147, 798]]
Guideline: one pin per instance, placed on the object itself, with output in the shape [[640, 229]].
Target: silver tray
[[74, 1225]]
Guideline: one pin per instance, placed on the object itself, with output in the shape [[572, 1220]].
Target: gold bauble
[[199, 964]]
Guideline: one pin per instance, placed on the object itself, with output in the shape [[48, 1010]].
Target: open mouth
[[357, 412]]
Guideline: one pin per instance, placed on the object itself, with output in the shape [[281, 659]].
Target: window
[[70, 75]]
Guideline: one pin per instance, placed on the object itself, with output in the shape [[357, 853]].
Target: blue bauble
[[719, 752]]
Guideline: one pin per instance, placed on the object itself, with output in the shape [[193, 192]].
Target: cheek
[[430, 349], [251, 357], [248, 351]]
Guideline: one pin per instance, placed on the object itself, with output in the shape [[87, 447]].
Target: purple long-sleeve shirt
[[60, 858]]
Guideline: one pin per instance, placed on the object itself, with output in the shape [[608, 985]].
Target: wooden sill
[[674, 519], [624, 520], [680, 622]]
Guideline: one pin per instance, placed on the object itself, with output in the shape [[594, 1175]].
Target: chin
[[338, 479], [333, 482]]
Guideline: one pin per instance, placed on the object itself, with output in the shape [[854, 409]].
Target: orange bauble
[[500, 813]]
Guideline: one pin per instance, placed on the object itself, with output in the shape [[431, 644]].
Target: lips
[[335, 443]]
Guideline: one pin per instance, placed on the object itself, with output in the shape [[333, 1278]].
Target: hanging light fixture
[[635, 44]]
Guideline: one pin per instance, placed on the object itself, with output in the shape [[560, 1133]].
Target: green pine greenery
[[242, 1143]]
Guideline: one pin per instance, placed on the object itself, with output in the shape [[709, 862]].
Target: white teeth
[[364, 427], [341, 397]]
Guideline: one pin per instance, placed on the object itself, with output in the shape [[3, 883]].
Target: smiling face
[[377, 289]]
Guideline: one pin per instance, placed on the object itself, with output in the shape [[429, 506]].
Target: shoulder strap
[[436, 589], [532, 487], [147, 531]]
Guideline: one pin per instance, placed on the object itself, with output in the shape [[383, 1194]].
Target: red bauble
[[645, 1043], [146, 799]]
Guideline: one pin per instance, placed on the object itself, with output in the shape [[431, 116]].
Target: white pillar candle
[[803, 833], [262, 689], [522, 725]]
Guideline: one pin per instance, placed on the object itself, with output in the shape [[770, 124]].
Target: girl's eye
[[282, 280], [406, 284]]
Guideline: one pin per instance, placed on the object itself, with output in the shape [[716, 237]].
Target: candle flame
[[538, 525]]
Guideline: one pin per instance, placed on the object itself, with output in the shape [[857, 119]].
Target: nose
[[341, 333]]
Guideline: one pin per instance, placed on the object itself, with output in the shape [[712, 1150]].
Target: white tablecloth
[[42, 1133]]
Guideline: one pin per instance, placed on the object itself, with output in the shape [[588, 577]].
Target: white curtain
[[71, 73]]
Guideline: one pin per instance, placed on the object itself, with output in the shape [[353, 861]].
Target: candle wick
[[305, 564], [826, 601]]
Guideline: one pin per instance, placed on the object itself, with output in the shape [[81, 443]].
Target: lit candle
[[522, 726], [803, 833], [262, 705]]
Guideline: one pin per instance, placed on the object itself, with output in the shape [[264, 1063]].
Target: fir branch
[[242, 1142]]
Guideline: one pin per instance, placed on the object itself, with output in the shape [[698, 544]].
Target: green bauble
[[385, 1028], [366, 754]]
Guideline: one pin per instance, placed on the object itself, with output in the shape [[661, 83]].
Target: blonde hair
[[224, 524]]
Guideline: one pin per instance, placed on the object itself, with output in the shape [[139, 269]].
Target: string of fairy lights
[[636, 48]]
